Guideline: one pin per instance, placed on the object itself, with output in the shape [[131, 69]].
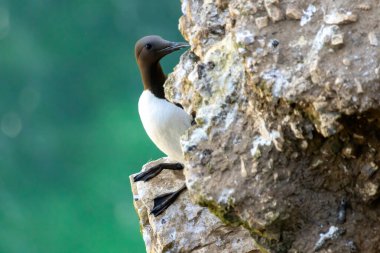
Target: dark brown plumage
[[149, 51]]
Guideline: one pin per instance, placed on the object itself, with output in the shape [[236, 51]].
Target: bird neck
[[153, 79]]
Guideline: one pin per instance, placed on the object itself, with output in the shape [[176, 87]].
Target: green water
[[70, 134]]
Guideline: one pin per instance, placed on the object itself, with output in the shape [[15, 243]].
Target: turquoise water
[[70, 135]]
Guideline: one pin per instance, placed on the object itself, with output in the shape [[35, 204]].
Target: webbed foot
[[162, 202], [155, 170]]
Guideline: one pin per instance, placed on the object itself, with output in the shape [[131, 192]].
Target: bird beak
[[173, 46]]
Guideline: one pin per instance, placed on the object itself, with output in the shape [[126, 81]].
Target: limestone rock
[[286, 141], [183, 227], [273, 10], [337, 40], [338, 18], [373, 39], [262, 22], [293, 12]]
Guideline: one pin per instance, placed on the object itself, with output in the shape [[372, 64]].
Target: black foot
[[165, 200], [155, 170]]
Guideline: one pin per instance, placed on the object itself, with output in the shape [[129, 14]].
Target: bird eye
[[148, 46]]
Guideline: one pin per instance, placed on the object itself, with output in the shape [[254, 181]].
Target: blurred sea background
[[70, 134]]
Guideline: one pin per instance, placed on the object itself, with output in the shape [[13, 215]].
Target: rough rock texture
[[184, 227], [287, 108]]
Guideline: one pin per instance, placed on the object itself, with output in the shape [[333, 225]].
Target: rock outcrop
[[286, 142], [184, 227]]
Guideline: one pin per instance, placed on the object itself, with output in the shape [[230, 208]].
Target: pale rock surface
[[287, 138], [183, 227]]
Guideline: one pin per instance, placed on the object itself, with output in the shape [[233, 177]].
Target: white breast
[[164, 123]]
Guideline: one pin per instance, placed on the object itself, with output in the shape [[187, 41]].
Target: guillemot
[[163, 121]]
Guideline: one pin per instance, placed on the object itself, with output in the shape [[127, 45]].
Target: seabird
[[163, 121]]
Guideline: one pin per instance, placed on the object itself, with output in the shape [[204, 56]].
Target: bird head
[[150, 49]]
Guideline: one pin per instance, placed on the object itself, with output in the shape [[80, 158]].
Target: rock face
[[183, 227], [287, 102]]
